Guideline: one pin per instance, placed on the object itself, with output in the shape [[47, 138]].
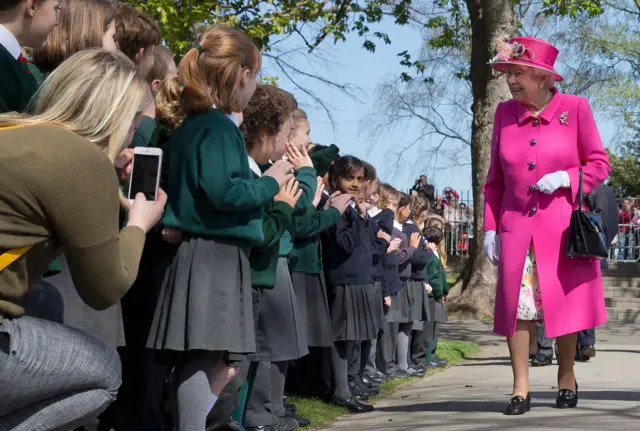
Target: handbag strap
[[12, 255], [580, 193]]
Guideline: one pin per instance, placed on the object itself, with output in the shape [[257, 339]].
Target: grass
[[321, 413], [452, 277]]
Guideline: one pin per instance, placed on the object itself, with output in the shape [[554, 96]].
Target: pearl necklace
[[535, 114]]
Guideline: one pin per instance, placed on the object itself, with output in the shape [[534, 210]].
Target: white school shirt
[[374, 211], [9, 41], [397, 225]]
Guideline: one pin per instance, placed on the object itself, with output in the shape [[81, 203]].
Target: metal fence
[[626, 245], [457, 215]]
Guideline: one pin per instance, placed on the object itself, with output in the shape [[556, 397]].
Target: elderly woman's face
[[523, 83]]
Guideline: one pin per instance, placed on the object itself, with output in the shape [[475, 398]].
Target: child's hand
[[414, 241], [341, 202], [289, 193], [428, 288], [394, 245], [361, 204], [298, 158], [387, 301], [280, 171], [124, 165], [329, 201], [172, 235], [383, 235], [441, 301], [319, 189]]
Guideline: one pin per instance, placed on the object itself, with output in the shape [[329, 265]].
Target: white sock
[[212, 400]]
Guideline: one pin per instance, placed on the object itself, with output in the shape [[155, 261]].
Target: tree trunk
[[474, 293]]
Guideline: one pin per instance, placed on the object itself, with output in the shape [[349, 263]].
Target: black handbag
[[587, 235]]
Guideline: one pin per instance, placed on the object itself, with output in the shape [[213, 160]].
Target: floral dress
[[530, 303]]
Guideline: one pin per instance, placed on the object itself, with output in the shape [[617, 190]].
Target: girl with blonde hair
[[61, 194]]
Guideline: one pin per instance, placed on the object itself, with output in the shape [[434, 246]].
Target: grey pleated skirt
[[354, 311], [205, 302], [410, 304], [313, 304], [437, 311], [280, 330], [105, 325]]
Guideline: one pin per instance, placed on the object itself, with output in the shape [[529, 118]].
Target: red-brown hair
[[210, 71]]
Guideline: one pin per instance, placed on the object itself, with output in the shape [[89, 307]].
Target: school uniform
[[404, 304], [18, 85], [347, 257], [416, 290], [307, 274], [437, 278], [386, 347], [280, 330], [206, 301]]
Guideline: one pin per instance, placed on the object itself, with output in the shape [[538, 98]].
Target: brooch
[[563, 118]]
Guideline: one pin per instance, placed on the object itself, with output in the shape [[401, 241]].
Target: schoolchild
[[418, 280], [437, 279], [280, 334], [347, 258], [23, 23], [137, 35], [204, 313]]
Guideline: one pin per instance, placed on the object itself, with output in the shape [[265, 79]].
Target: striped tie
[[25, 64]]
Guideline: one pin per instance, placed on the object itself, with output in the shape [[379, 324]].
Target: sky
[[351, 128]]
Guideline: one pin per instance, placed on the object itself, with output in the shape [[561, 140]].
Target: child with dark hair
[[348, 252], [437, 279]]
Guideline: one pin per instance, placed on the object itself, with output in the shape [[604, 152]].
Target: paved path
[[472, 395]]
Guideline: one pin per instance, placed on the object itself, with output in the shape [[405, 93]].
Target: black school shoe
[[518, 405], [353, 404], [302, 422], [375, 380], [540, 360], [567, 399]]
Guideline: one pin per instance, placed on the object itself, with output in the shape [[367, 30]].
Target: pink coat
[[524, 149]]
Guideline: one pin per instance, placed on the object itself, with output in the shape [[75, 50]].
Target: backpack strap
[[12, 255]]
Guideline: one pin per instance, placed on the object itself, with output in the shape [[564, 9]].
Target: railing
[[458, 229]]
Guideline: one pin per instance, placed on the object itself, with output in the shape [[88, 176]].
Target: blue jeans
[[53, 377]]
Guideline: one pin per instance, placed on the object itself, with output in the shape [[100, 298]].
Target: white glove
[[492, 246], [552, 182]]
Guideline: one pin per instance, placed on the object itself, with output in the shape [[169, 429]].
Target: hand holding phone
[[145, 214], [145, 173]]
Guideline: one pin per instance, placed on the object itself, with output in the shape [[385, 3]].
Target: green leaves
[[571, 8]]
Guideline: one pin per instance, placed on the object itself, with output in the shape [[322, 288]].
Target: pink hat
[[527, 51]]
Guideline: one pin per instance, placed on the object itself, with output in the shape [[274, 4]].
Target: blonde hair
[[211, 70], [95, 94], [387, 195], [168, 107], [299, 115]]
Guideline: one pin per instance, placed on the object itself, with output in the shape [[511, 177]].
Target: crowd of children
[[279, 265]]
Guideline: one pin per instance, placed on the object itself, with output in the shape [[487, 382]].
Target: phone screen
[[144, 176]]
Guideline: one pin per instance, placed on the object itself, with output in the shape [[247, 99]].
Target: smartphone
[[145, 173]]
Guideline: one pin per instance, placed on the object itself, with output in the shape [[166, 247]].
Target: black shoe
[[518, 405], [540, 360], [438, 360], [263, 428], [432, 365], [581, 358], [230, 425], [291, 408], [589, 351], [409, 372], [352, 404], [416, 373], [287, 423], [567, 399], [371, 380], [371, 386], [302, 422]]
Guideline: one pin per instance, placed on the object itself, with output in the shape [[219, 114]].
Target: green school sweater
[[436, 277], [264, 258], [211, 189], [307, 247], [17, 84], [144, 133]]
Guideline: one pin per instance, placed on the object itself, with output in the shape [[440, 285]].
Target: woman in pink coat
[[541, 138]]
